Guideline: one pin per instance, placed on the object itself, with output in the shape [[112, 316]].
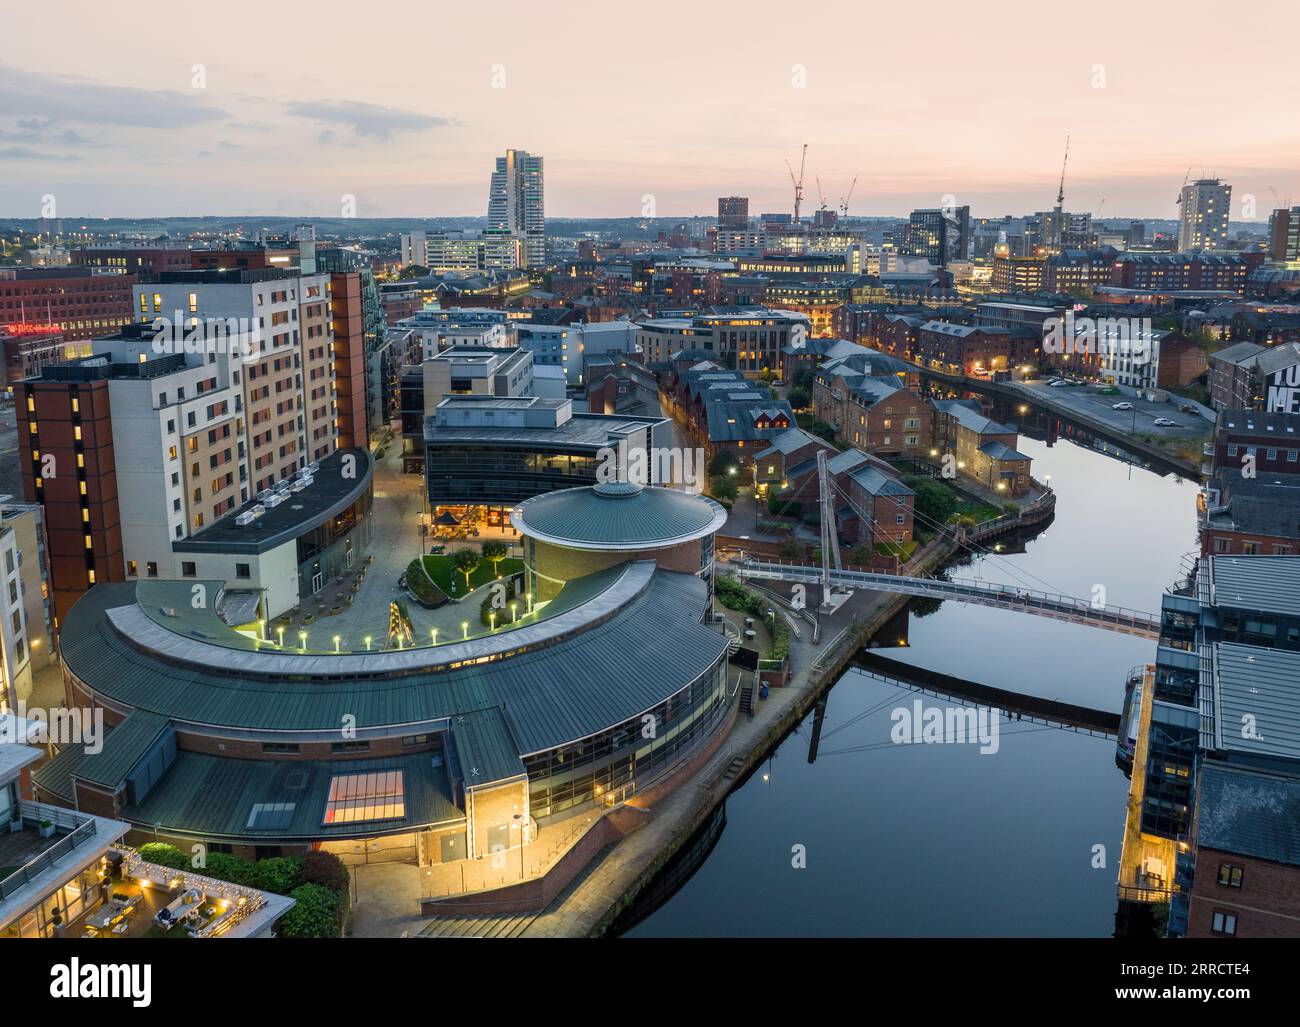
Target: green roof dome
[[618, 515]]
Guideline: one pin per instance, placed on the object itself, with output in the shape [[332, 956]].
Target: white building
[[26, 635], [440, 252], [564, 346], [1204, 209]]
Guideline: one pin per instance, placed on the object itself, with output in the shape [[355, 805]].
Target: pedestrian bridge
[[985, 593]]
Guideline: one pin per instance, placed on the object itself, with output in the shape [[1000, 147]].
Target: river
[[943, 840]]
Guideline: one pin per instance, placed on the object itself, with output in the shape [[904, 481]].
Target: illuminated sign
[[22, 328]]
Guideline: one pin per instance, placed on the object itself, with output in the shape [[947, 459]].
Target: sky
[[152, 109]]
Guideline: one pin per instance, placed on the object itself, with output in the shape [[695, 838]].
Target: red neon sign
[[22, 328]]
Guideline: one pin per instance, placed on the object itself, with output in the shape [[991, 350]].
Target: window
[[130, 568], [242, 571], [280, 747], [151, 569], [1224, 923], [359, 797], [1229, 875], [188, 569]]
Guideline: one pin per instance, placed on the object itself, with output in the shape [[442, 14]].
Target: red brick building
[[1246, 852], [85, 304]]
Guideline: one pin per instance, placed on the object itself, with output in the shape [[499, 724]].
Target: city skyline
[[986, 122]]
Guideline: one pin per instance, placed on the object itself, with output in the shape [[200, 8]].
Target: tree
[[495, 550], [935, 502], [723, 463], [799, 398], [276, 874], [315, 913], [723, 487], [413, 271], [466, 561]]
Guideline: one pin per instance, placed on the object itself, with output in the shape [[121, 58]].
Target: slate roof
[[1241, 811]]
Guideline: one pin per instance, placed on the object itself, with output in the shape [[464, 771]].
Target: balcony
[[38, 841]]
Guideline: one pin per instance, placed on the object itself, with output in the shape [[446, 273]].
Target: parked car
[[1057, 383], [1187, 408], [1164, 422], [1121, 406]]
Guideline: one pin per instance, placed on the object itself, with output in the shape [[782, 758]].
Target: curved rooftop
[[606, 664], [618, 515]]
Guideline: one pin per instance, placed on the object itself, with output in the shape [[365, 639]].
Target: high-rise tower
[[515, 203]]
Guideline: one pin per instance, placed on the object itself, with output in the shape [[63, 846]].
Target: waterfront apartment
[[1216, 710]]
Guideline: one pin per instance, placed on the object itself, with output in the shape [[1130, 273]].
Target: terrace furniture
[[122, 928]]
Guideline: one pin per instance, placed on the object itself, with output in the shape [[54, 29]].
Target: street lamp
[[434, 633], [464, 627], [302, 640]]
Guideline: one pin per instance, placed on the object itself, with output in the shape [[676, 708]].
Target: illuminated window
[[358, 797]]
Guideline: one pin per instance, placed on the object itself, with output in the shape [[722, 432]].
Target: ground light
[[336, 643], [280, 632], [464, 627], [434, 633], [302, 639], [367, 642]]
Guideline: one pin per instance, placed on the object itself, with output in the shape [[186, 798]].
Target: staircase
[[747, 699]]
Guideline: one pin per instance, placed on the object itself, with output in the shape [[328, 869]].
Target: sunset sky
[[395, 104]]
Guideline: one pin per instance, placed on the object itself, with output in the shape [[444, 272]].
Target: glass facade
[[470, 473], [79, 895], [613, 765], [332, 548]]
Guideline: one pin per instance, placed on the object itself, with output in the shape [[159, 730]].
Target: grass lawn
[[444, 574], [978, 512]]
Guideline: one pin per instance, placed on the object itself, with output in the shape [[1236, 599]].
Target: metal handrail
[[82, 829]]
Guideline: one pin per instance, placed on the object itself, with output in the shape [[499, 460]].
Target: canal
[[942, 839]]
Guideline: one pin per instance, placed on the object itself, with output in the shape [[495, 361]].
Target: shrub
[[164, 855], [315, 913], [735, 596], [323, 868], [278, 874], [225, 867]]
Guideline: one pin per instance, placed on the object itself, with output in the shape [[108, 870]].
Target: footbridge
[[984, 593]]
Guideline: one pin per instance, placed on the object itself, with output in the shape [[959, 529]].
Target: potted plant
[[46, 828]]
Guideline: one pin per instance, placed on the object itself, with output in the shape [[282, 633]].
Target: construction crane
[[844, 200], [1183, 186], [1060, 193], [1099, 207], [821, 195], [798, 182], [1278, 200]]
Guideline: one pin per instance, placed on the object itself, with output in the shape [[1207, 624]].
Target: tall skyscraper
[[1205, 206], [515, 203], [733, 212]]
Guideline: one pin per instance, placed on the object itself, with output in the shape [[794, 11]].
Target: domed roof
[[618, 515]]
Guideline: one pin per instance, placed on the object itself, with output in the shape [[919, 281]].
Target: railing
[[80, 829], [1050, 604]]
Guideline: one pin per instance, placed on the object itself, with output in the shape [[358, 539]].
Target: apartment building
[[162, 432]]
